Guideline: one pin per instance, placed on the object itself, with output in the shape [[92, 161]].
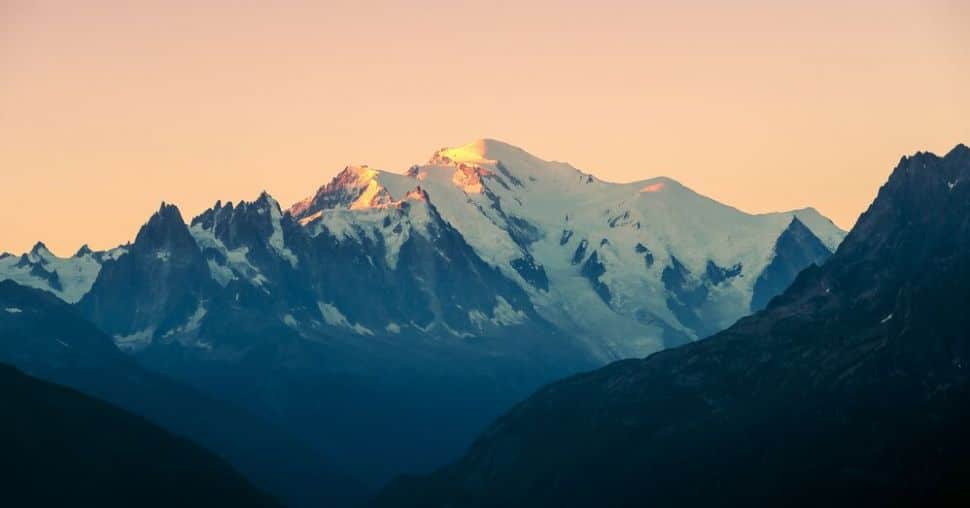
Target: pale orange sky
[[109, 107]]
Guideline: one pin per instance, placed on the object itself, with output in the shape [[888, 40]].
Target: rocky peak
[[166, 233], [39, 250], [83, 251], [917, 214], [343, 191]]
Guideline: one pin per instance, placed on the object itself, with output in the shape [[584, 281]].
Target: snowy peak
[[482, 152], [509, 166], [491, 154], [796, 248], [647, 259], [819, 225], [267, 203], [359, 194], [68, 278], [355, 187], [40, 251], [471, 169], [656, 186], [83, 251]]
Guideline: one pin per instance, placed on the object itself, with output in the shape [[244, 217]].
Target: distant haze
[[109, 107]]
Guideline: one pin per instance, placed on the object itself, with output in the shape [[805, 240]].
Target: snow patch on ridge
[[503, 314], [276, 240], [191, 324], [135, 341], [236, 265], [333, 317], [368, 198], [393, 222]]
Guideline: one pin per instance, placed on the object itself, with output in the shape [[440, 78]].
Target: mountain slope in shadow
[[63, 448], [851, 388], [48, 339]]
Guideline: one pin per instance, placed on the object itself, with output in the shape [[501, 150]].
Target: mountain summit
[[485, 151], [657, 262], [849, 388]]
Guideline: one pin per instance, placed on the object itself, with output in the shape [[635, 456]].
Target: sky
[[108, 108]]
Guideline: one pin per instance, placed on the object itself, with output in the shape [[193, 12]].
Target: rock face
[[48, 339], [63, 448], [795, 249], [850, 388], [152, 288], [469, 281]]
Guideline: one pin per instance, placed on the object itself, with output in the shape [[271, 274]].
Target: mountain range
[[387, 318], [657, 262], [848, 389]]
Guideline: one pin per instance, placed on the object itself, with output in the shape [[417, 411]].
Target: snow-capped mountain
[[644, 264], [68, 278], [470, 281]]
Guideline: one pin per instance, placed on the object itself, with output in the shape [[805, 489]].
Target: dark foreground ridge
[[63, 448], [851, 388]]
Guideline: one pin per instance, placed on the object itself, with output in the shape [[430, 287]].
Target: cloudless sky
[[109, 107]]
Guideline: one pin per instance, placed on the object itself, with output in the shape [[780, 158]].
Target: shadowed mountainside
[[63, 448], [850, 389]]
